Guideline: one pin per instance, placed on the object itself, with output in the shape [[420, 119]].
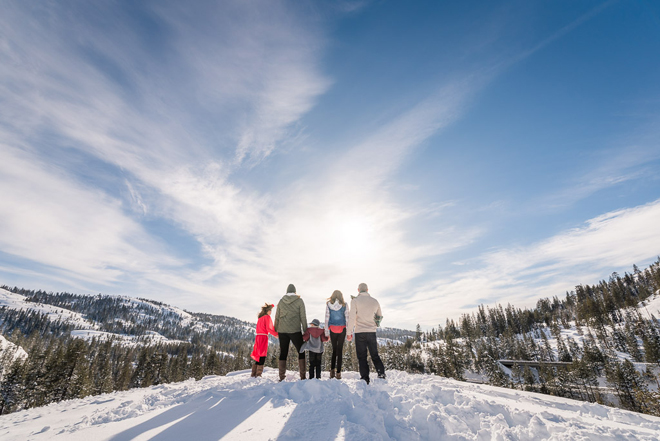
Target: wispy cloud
[[49, 218], [563, 31], [551, 267], [634, 160], [255, 71], [233, 88], [381, 153]]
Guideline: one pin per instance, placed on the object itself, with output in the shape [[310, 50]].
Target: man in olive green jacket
[[290, 323]]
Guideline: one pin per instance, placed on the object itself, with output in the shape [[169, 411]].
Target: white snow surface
[[385, 341], [149, 338], [6, 345], [17, 301], [653, 305], [402, 407], [8, 353], [87, 329]]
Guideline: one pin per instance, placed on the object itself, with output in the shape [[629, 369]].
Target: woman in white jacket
[[336, 317]]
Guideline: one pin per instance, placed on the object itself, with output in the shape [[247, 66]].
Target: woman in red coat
[[264, 327]]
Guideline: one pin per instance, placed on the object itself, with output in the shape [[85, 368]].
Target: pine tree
[[101, 370], [12, 388], [623, 377], [197, 366], [140, 377], [122, 379]]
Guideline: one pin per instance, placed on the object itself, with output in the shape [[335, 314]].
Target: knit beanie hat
[[291, 288]]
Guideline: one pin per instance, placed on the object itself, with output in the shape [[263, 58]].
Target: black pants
[[296, 339], [315, 364], [337, 341], [261, 361], [367, 341]]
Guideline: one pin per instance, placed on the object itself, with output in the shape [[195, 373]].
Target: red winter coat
[[264, 327]]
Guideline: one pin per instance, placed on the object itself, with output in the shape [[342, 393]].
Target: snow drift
[[403, 407]]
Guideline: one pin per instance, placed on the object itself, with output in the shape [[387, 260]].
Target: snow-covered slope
[[127, 321], [149, 338], [11, 300], [652, 305], [403, 407], [8, 353]]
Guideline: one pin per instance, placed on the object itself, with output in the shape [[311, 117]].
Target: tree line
[[59, 369], [620, 344]]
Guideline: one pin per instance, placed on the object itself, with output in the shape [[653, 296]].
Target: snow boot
[[282, 366], [338, 376], [254, 370], [301, 368], [332, 373], [260, 370]]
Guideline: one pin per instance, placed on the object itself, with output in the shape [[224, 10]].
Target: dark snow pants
[[366, 341], [261, 361], [337, 341], [296, 339], [315, 364]]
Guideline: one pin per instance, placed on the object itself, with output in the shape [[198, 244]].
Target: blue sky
[[446, 153]]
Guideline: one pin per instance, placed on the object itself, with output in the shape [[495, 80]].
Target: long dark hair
[[264, 309], [337, 295]]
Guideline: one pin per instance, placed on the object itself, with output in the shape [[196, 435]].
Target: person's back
[[363, 313], [336, 320], [364, 319], [290, 316], [314, 338], [290, 323]]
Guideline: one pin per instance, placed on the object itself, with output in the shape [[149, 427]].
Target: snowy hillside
[[123, 319], [403, 407], [652, 305], [11, 300], [8, 353]]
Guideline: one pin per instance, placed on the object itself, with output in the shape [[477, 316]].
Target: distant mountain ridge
[[116, 315]]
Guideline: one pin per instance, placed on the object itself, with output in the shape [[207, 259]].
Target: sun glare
[[354, 238]]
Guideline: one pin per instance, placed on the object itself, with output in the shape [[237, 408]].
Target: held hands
[[349, 337]]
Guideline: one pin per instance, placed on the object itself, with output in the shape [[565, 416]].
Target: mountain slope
[[403, 407], [126, 319]]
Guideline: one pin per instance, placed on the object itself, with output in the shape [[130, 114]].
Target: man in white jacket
[[364, 317]]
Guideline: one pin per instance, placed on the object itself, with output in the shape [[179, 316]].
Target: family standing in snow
[[358, 322]]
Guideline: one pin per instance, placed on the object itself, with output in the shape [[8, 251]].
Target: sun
[[354, 237]]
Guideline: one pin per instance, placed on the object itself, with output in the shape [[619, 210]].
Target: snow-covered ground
[[403, 407], [87, 329], [18, 302], [386, 341], [6, 345], [186, 318], [149, 338], [8, 353], [652, 305]]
